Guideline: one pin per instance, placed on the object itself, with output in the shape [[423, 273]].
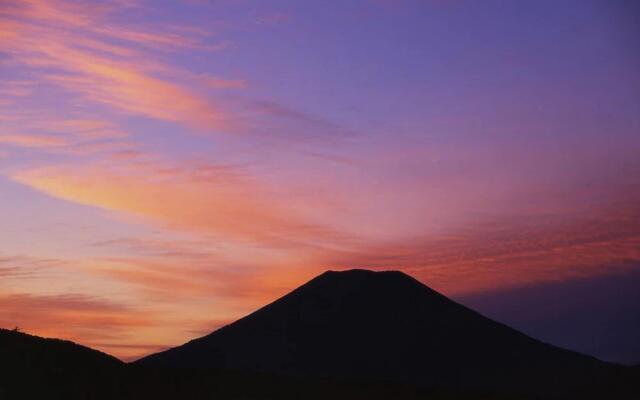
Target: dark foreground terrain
[[349, 335]]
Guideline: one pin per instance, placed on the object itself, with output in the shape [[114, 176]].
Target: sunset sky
[[168, 166]]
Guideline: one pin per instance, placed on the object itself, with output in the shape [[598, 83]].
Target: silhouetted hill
[[31, 365], [21, 349], [388, 326]]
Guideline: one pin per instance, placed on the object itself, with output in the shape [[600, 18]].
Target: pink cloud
[[221, 204], [43, 37], [83, 319], [26, 140]]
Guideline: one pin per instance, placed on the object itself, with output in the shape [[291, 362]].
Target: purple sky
[[166, 167]]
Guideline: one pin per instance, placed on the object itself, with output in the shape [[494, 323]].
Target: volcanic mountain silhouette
[[366, 325]]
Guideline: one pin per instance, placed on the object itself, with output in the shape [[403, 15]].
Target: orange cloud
[[26, 140], [502, 253], [77, 42], [126, 88], [136, 305], [66, 145], [77, 134], [76, 46], [132, 91], [221, 204], [93, 18], [80, 318]]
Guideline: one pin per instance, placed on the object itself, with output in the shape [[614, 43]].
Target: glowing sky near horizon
[[166, 166]]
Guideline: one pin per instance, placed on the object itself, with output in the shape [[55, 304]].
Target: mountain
[[386, 326]]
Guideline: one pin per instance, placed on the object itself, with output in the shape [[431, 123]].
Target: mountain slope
[[387, 326]]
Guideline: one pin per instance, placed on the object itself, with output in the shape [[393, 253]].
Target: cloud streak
[[76, 317], [223, 204], [501, 253], [26, 140], [100, 66]]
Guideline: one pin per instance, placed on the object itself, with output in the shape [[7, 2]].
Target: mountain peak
[[365, 278], [360, 273], [391, 286]]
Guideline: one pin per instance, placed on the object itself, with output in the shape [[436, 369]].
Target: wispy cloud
[[27, 140], [85, 319], [220, 204], [27, 267], [509, 252], [82, 49], [99, 63]]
